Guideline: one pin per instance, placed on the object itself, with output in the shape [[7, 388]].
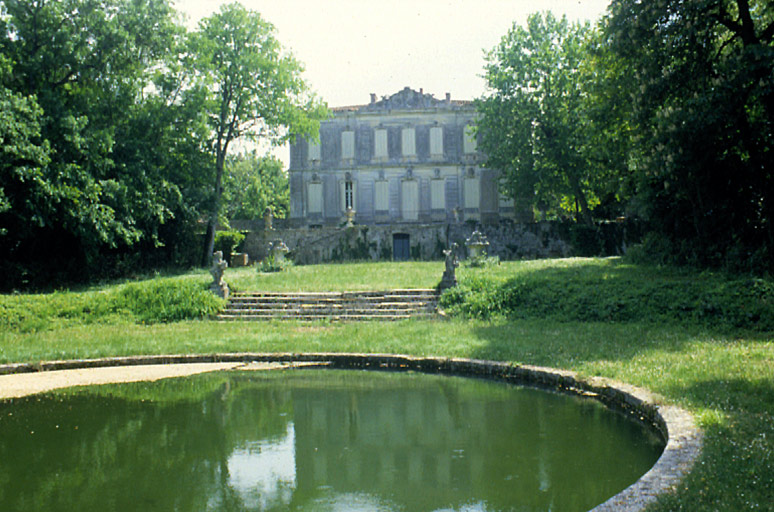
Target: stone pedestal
[[239, 259]]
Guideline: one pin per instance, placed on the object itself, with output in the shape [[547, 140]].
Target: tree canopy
[[115, 125], [534, 125], [252, 89], [663, 111]]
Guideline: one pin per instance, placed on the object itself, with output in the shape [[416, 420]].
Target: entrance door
[[401, 247]]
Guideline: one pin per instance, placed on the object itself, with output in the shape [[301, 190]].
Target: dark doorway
[[401, 247]]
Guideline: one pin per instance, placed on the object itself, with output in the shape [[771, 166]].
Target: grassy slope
[[723, 373]]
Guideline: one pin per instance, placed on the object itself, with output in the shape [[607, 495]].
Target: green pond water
[[316, 440]]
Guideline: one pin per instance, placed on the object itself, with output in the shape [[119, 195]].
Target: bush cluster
[[149, 301], [646, 294]]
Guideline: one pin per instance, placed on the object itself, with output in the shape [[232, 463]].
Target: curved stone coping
[[676, 426]]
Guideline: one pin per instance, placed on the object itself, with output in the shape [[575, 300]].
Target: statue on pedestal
[[449, 279], [268, 219], [218, 286]]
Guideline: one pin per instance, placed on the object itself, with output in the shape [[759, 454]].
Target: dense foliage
[[253, 183], [113, 143], [145, 301], [613, 291], [663, 112]]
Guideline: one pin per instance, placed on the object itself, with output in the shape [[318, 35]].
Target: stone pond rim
[[675, 425]]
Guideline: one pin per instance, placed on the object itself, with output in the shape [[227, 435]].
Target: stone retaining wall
[[683, 439]]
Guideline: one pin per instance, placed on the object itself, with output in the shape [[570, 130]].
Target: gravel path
[[22, 384]]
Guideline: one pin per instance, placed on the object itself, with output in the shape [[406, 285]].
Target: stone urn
[[476, 244], [350, 213]]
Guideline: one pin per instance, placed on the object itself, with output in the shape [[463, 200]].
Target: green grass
[[339, 277], [661, 337]]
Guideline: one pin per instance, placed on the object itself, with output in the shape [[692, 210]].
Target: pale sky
[[351, 48]]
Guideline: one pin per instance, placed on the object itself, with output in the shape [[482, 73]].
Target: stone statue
[[218, 286], [278, 250], [449, 279], [268, 218]]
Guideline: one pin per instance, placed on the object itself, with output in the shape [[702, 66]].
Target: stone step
[[336, 318], [361, 305], [332, 303]]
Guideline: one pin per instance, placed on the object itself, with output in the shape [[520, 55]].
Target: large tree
[[532, 124], [85, 69], [703, 111], [254, 90]]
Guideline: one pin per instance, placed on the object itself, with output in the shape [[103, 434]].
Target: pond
[[317, 440]]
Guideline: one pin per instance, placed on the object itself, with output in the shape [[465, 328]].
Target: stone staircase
[[339, 306]]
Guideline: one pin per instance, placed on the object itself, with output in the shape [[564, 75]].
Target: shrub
[[167, 300], [269, 264], [606, 293]]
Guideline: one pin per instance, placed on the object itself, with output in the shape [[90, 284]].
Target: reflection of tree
[[270, 441], [116, 454]]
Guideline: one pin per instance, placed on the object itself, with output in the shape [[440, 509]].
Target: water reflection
[[304, 440]]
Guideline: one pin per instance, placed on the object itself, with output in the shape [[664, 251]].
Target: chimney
[[373, 98], [448, 97], [421, 92]]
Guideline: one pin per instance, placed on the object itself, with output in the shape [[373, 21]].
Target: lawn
[[702, 340]]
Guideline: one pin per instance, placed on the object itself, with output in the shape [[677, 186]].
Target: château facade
[[404, 159]]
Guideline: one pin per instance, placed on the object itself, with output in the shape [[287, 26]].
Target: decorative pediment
[[407, 99]]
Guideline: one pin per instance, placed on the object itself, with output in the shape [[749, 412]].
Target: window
[[314, 197], [472, 193], [437, 194], [348, 145], [469, 143], [347, 194], [380, 144], [381, 196], [314, 151], [409, 200], [436, 141], [408, 140]]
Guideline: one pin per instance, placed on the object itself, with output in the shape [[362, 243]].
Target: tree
[[253, 90], [23, 155], [703, 112], [107, 184], [532, 122], [253, 183]]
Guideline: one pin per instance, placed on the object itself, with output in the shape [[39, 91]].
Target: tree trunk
[[212, 224]]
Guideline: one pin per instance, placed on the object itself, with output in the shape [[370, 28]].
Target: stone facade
[[407, 159], [417, 241]]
